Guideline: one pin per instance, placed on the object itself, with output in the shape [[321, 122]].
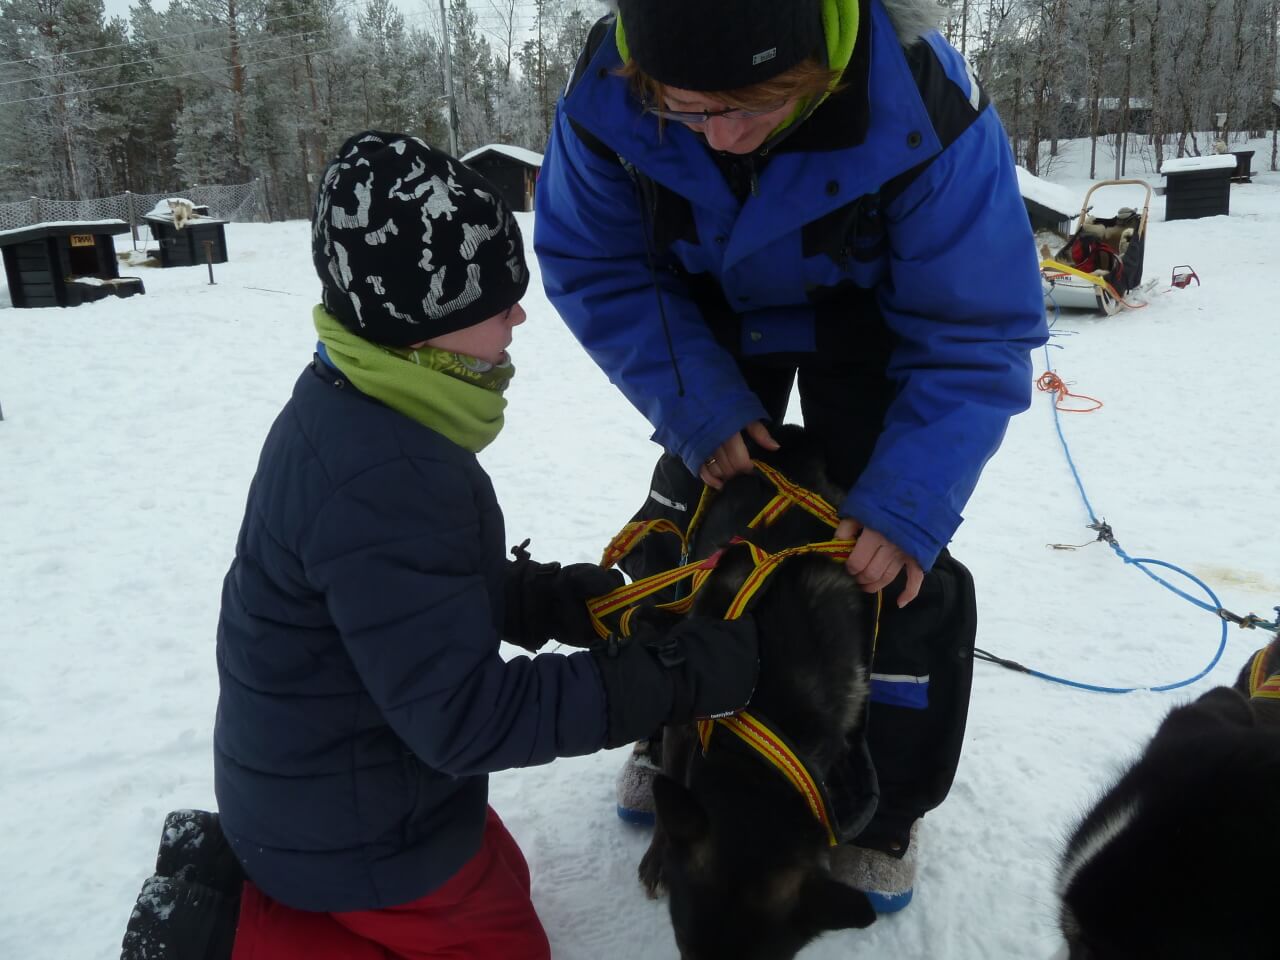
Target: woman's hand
[[875, 562], [732, 457]]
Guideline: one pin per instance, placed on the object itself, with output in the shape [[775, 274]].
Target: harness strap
[[770, 745], [1261, 683], [799, 496], [1055, 267]]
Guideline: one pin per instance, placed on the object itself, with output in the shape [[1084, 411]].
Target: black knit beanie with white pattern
[[410, 243]]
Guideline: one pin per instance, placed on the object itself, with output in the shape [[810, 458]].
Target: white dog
[[181, 209]]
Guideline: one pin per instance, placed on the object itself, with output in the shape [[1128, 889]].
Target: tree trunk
[[1157, 94], [1123, 137], [237, 87], [1272, 106]]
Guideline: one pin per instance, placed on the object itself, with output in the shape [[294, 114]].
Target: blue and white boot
[[888, 878], [635, 782]]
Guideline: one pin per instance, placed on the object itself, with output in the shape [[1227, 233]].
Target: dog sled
[[1102, 261]]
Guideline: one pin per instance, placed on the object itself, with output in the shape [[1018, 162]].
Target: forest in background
[[223, 91]]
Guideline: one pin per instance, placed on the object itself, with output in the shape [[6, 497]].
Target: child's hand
[[545, 601], [573, 587]]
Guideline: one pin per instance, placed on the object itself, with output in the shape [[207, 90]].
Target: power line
[[126, 43], [176, 76], [168, 56]]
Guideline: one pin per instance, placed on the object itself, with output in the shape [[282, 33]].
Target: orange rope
[[1050, 382]]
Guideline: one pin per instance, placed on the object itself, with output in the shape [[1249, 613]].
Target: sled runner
[[1103, 259]]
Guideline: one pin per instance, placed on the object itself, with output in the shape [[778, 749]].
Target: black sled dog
[[1178, 860], [737, 846]]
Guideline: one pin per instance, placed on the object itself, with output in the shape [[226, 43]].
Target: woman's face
[[727, 134]]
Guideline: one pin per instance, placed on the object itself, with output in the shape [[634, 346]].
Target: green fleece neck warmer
[[457, 396], [839, 21]]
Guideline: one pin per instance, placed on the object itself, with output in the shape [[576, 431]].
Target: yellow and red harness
[[1263, 682], [625, 600]]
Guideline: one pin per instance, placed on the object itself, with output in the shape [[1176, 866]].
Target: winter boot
[[189, 909], [635, 782], [178, 919], [193, 848], [887, 876]]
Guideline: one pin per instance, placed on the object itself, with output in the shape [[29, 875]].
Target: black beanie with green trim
[[713, 45]]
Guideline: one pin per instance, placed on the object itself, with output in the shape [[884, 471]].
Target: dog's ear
[[682, 816], [828, 904]]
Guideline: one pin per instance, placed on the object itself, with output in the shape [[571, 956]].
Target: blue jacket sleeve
[[395, 553], [595, 270], [962, 295]]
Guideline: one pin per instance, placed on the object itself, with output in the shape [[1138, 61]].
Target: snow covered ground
[[132, 428]]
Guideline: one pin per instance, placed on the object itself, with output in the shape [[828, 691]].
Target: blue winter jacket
[[906, 216], [363, 699]]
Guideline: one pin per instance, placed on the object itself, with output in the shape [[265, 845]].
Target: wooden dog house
[[1198, 186], [65, 264], [185, 246]]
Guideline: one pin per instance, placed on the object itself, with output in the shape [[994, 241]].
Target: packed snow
[[132, 427]]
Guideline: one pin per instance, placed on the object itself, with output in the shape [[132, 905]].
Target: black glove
[[545, 601], [702, 667]]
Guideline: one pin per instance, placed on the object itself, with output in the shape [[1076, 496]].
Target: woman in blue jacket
[[739, 197]]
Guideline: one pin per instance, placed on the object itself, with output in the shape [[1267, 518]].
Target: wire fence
[[242, 201]]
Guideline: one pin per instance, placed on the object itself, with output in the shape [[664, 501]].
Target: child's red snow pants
[[483, 912]]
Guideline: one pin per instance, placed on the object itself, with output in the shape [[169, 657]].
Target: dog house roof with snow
[[1198, 186], [513, 170], [185, 246], [1049, 206], [64, 263]]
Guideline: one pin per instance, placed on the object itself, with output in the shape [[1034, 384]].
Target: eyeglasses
[[698, 117]]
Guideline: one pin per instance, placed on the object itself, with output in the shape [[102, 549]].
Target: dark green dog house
[[65, 264], [185, 246]]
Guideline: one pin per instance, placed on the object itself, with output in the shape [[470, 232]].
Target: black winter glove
[[545, 601], [702, 667]]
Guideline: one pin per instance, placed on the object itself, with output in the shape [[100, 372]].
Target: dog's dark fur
[[742, 858], [1179, 860]]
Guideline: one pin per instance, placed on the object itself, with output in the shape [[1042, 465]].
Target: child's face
[[487, 340]]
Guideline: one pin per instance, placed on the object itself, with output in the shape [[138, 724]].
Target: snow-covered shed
[[1198, 186], [1049, 206], [64, 263], [514, 170]]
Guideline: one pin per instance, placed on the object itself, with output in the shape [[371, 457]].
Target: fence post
[[262, 199], [35, 209], [133, 219]]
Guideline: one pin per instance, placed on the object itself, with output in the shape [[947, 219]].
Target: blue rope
[[1142, 563]]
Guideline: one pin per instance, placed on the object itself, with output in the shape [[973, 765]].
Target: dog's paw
[[650, 873]]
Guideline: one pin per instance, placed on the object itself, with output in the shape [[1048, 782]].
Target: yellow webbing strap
[[1262, 684], [1053, 266], [789, 494], [630, 594], [766, 563], [766, 743], [630, 535], [795, 494]]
